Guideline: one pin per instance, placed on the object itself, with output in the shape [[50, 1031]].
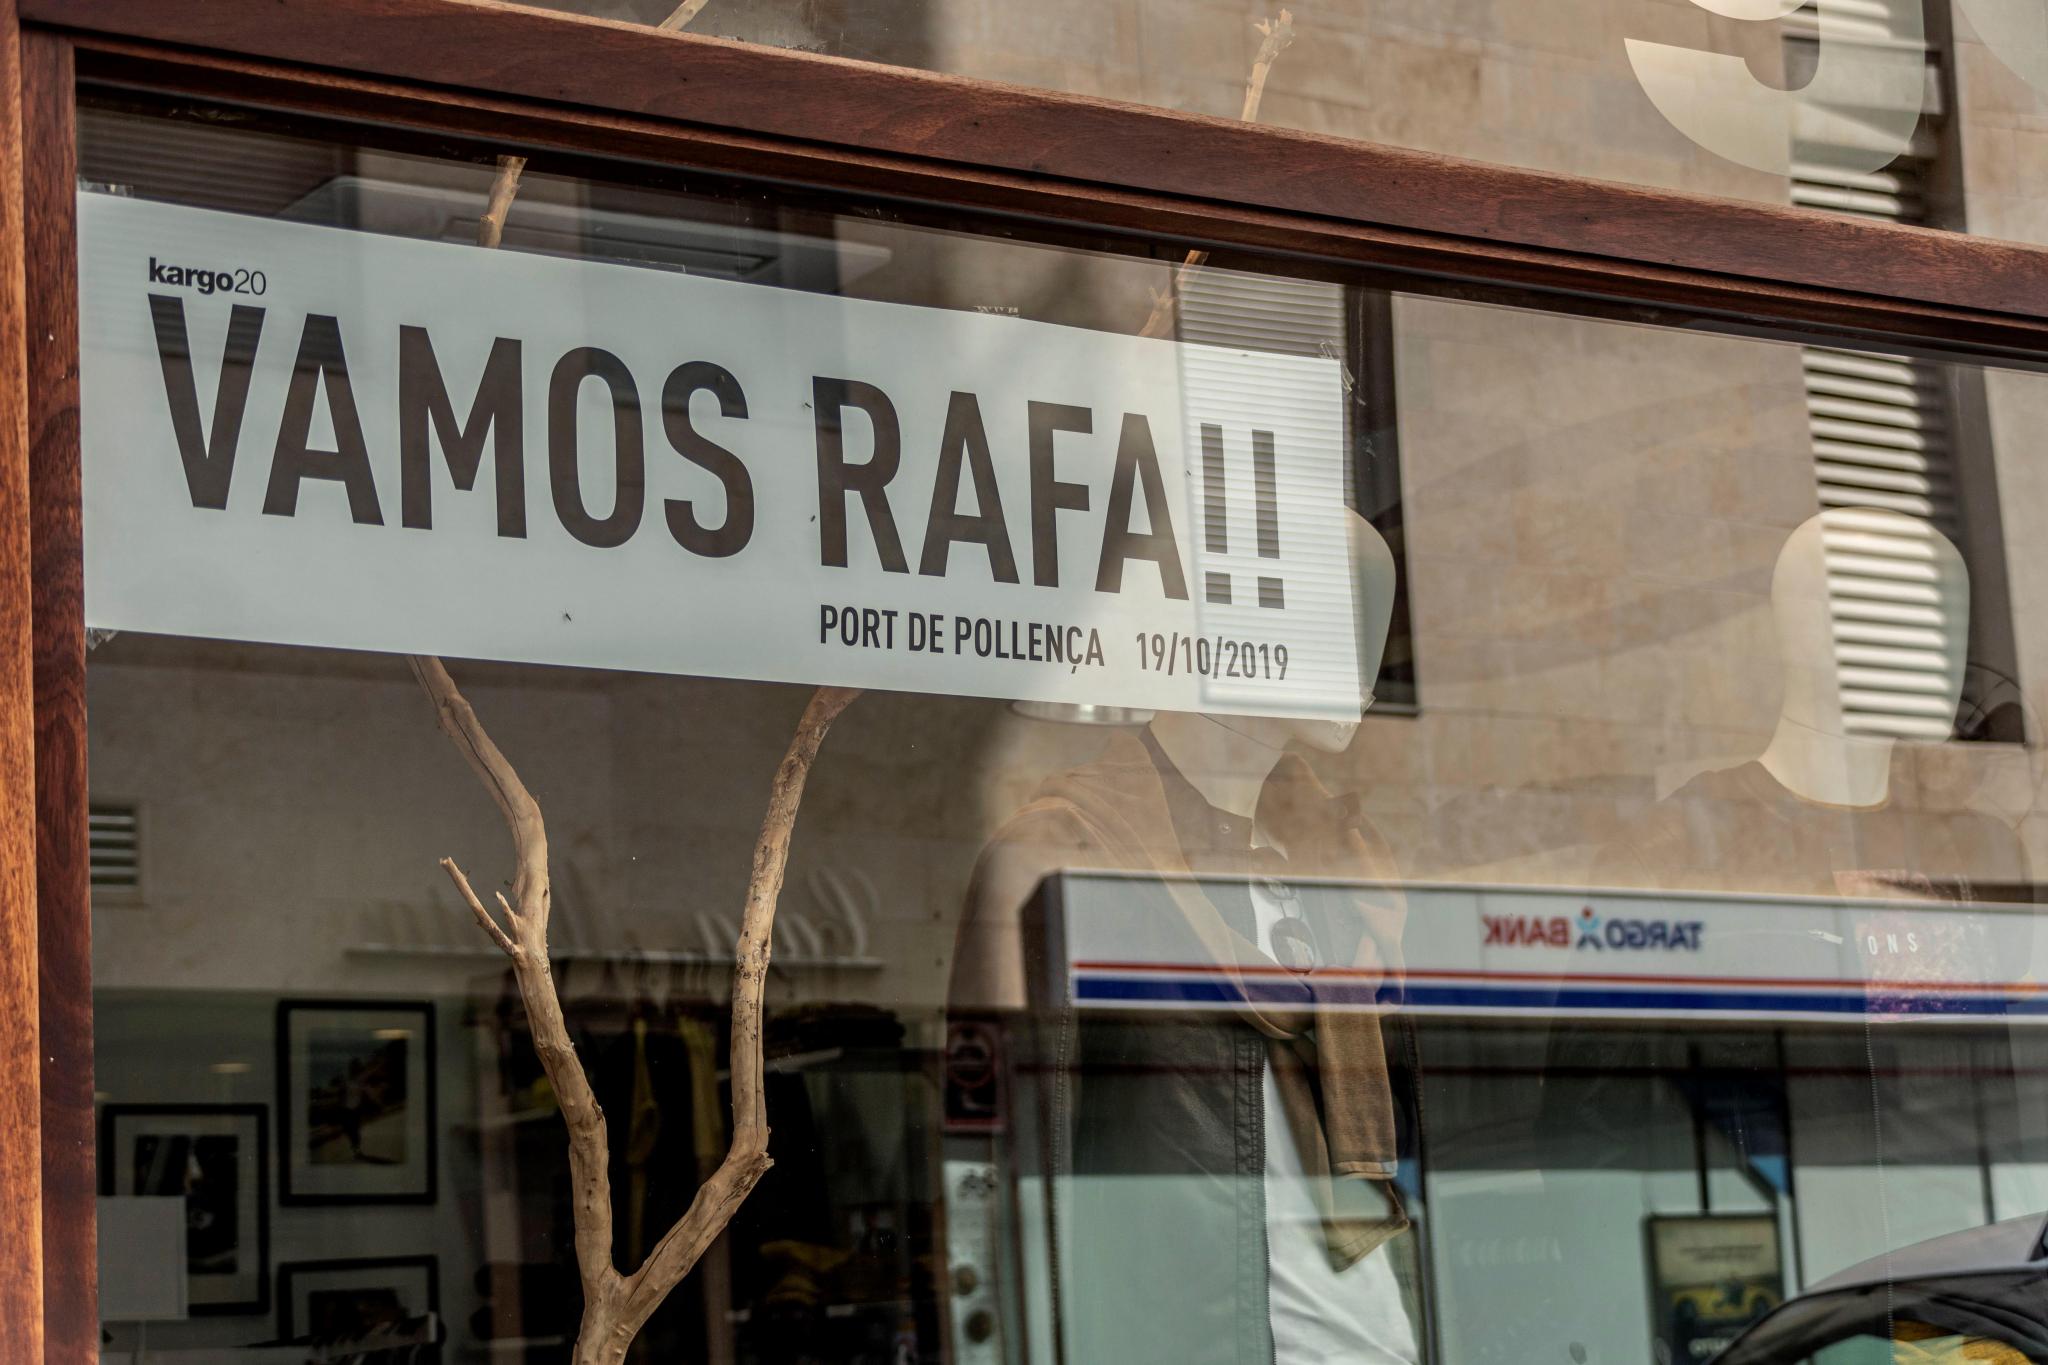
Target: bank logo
[[1591, 932]]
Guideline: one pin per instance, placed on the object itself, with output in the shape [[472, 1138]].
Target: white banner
[[311, 436]]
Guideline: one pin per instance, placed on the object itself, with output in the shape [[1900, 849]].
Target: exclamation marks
[[1216, 585], [1215, 517], [1271, 593]]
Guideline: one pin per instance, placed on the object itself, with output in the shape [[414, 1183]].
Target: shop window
[[1239, 1029]]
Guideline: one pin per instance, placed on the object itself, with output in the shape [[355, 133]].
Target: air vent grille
[[115, 834]]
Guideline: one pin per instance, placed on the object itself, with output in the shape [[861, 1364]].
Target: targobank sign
[[304, 435], [1590, 931], [1478, 951]]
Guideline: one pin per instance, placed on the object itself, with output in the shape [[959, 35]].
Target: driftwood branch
[[1274, 37], [616, 1305], [682, 14], [490, 230]]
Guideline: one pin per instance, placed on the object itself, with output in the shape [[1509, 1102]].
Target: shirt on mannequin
[[1319, 1315], [1312, 1119]]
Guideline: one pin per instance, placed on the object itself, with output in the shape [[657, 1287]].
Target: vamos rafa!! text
[[856, 441]]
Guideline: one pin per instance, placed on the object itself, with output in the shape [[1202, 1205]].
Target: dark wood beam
[[905, 127]]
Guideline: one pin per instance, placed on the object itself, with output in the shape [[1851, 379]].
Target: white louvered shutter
[[1883, 441], [1262, 313]]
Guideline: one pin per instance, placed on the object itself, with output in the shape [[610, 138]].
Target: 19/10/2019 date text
[[1210, 657]]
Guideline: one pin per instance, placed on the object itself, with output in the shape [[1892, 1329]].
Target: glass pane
[[1914, 111], [1376, 827]]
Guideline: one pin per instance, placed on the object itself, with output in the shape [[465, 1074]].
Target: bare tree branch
[[747, 1159], [681, 16], [483, 916], [1275, 35], [532, 893], [616, 1306], [490, 229]]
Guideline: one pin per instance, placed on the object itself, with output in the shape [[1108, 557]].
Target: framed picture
[[335, 1301], [1711, 1277], [355, 1102], [215, 1156]]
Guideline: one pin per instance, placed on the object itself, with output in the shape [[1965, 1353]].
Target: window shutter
[[1883, 441], [1259, 313], [1262, 313]]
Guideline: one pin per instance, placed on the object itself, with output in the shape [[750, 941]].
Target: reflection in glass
[[1659, 943]]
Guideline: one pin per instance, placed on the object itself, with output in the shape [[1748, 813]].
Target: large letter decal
[[2016, 31], [1862, 104]]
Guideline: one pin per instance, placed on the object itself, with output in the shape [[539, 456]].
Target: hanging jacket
[[1154, 1122]]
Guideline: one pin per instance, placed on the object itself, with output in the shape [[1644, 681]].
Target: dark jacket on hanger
[[1155, 1120]]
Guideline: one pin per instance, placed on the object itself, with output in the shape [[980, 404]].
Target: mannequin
[[1264, 1123], [1814, 816], [1810, 815], [1811, 753], [1229, 758], [1807, 816], [1316, 1313]]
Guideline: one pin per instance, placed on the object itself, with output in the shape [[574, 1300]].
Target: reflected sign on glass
[[1475, 951], [301, 435]]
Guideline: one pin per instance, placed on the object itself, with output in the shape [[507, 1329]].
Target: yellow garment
[[643, 1133], [707, 1120], [1917, 1343]]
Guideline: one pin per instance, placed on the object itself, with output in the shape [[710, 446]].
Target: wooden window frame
[[537, 79]]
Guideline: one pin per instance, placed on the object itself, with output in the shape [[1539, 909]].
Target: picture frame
[[345, 1300], [218, 1157], [356, 1102], [1712, 1275]]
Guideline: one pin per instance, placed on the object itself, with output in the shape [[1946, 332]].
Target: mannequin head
[[1228, 757], [1372, 605], [1850, 586]]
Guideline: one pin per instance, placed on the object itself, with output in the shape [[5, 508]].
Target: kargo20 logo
[[1590, 932]]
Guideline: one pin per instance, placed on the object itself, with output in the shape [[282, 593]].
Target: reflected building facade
[[1660, 941]]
